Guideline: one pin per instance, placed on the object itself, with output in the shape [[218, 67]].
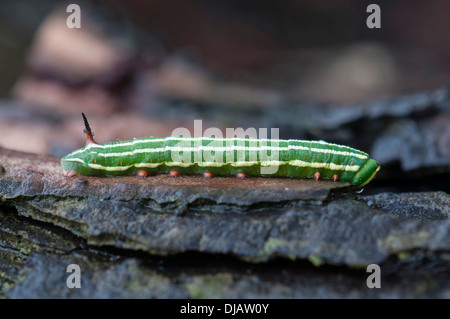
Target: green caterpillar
[[222, 156]]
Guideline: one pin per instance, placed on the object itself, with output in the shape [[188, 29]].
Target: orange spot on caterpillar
[[174, 173], [151, 161], [335, 177], [142, 173], [241, 175], [303, 158], [95, 161], [207, 175], [121, 164], [352, 162], [316, 176]]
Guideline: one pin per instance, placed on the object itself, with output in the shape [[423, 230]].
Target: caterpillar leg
[[241, 175], [316, 176], [207, 175], [335, 177], [70, 173], [174, 173], [142, 173]]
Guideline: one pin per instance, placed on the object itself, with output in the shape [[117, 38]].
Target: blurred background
[[311, 68]]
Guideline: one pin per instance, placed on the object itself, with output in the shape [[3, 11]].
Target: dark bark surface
[[186, 237]]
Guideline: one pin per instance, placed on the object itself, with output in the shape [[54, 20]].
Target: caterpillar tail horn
[[88, 131]]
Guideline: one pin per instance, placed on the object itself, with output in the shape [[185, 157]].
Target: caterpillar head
[[366, 173]]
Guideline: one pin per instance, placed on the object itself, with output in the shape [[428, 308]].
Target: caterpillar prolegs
[[222, 156]]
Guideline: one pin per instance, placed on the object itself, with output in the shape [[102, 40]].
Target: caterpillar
[[221, 156]]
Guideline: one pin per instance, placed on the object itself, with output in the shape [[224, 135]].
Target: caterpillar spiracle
[[221, 156]]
